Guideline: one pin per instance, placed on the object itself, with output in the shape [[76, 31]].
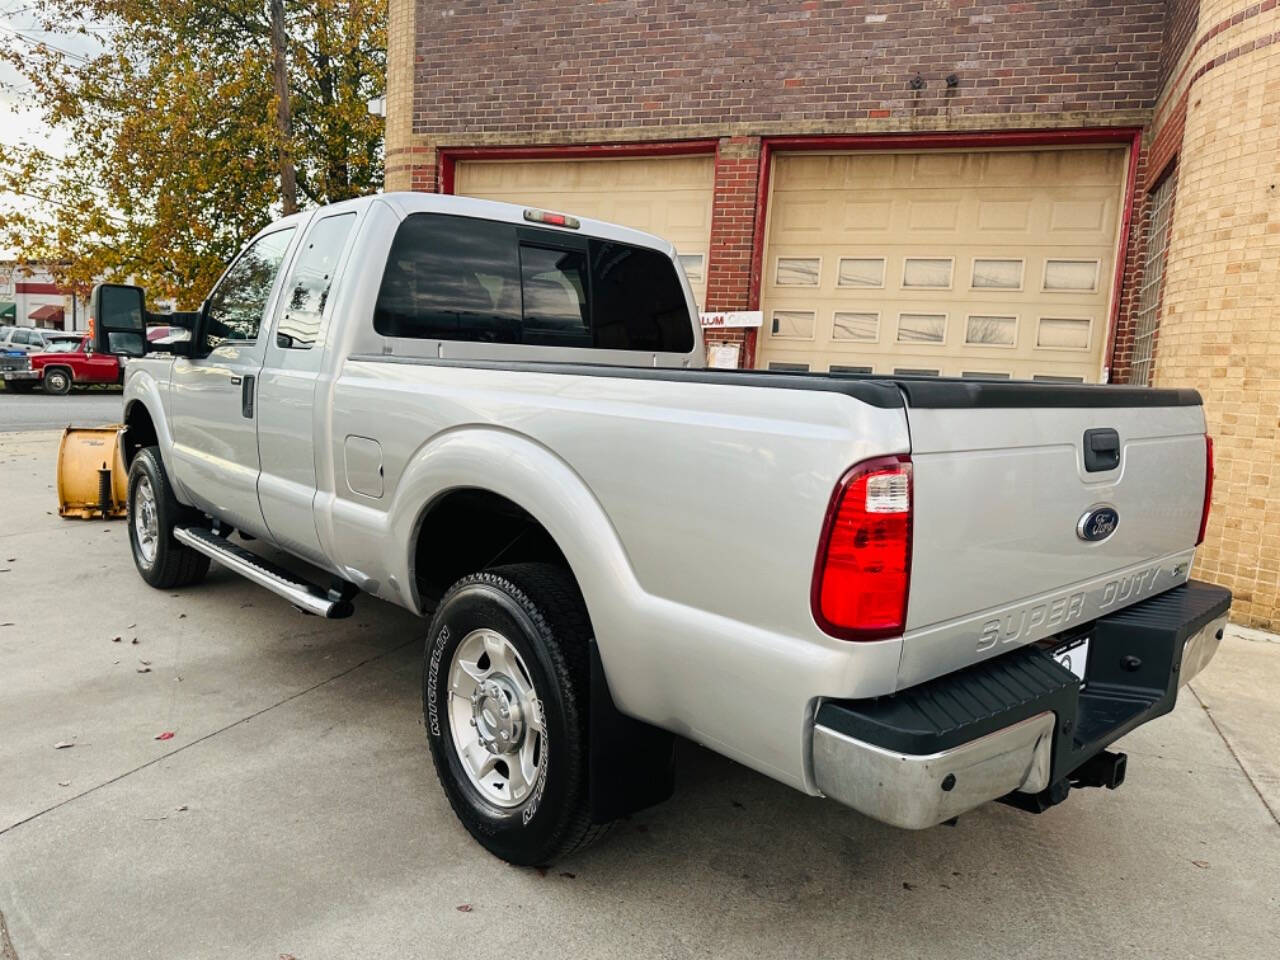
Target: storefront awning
[[49, 313], [8, 311]]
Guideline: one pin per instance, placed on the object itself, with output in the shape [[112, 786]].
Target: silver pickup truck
[[912, 596]]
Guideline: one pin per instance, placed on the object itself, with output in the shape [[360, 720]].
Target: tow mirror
[[119, 314]]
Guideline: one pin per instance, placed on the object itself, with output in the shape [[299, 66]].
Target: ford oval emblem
[[1098, 523]]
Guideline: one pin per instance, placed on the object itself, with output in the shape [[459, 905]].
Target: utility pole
[[284, 118]]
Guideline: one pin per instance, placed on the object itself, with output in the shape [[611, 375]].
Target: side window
[[554, 282], [451, 278], [308, 288], [237, 304], [21, 336], [638, 301], [454, 278]]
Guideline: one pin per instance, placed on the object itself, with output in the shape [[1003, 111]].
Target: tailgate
[[1003, 488]]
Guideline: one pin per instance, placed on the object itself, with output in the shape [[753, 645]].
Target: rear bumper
[[1016, 727]]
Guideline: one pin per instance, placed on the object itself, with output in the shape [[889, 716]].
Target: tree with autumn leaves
[[197, 123]]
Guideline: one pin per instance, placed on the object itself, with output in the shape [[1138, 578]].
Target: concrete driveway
[[295, 813]]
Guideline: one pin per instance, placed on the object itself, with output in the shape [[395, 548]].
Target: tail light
[[1208, 487], [863, 567]]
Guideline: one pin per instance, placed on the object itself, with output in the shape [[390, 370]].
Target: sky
[[19, 122]]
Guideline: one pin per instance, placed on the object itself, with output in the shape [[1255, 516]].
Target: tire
[[153, 513], [537, 611], [57, 382]]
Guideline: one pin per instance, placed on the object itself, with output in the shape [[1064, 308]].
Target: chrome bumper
[[918, 791]]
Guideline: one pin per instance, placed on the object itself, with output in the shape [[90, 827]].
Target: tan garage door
[[669, 196], [995, 262]]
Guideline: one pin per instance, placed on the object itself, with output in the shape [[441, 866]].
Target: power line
[[84, 59]]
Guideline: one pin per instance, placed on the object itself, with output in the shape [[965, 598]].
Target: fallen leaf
[[464, 908], [571, 876], [64, 783], [908, 886], [1202, 864], [181, 809], [134, 640], [145, 663], [116, 639], [131, 626], [7, 623], [144, 669], [167, 735], [63, 745], [182, 616]]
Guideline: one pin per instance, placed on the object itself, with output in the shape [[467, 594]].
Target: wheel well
[[140, 432], [467, 530], [58, 366]]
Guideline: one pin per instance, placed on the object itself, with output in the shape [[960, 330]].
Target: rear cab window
[[481, 281]]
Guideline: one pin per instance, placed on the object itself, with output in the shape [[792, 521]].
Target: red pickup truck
[[60, 370]]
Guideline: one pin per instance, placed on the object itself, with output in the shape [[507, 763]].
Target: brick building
[[1070, 189]]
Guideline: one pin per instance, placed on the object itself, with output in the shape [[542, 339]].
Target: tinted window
[[308, 289], [639, 302], [237, 304], [21, 336], [453, 278], [450, 278], [554, 283]]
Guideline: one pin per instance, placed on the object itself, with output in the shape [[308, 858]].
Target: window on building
[[1071, 276], [1063, 333], [863, 327], [976, 375], [860, 272], [457, 278], [793, 324], [789, 367], [1054, 378], [927, 273], [838, 368], [798, 271], [922, 327], [987, 331], [1151, 292], [914, 372], [990, 274]]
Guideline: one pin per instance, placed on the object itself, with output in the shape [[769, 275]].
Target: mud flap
[[632, 764]]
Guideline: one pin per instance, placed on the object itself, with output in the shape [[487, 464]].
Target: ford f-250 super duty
[[912, 596]]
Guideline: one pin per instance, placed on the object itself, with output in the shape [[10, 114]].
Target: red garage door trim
[[449, 156], [1125, 136]]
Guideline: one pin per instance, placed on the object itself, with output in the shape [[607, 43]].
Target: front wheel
[[153, 513], [505, 689], [57, 382]]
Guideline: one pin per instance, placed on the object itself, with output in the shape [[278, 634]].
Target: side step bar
[[332, 604]]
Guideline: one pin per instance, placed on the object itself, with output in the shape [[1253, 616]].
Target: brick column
[[733, 219], [409, 166]]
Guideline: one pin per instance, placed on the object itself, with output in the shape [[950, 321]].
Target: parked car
[[59, 370], [912, 596], [33, 339]]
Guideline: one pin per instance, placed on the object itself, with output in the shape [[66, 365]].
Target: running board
[[332, 604]]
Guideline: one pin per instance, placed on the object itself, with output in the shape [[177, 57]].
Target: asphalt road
[[38, 411], [295, 813]]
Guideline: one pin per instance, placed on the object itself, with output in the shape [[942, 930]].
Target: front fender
[[142, 387]]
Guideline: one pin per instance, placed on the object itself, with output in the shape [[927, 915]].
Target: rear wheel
[[505, 689], [57, 381], [153, 513]]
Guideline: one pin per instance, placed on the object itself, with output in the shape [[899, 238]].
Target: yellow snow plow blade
[[92, 482]]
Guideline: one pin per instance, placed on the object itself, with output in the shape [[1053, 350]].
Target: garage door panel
[[1040, 225], [667, 196]]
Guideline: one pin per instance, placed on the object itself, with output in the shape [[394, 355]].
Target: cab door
[[213, 396], [295, 353]]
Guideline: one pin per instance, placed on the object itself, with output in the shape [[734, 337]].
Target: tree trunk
[[284, 118]]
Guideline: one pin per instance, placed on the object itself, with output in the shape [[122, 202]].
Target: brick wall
[[1219, 330], [540, 66]]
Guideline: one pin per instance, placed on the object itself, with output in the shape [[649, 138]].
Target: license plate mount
[[1074, 656]]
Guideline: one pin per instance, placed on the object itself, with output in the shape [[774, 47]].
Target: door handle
[[246, 396], [235, 381], [1101, 449]]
